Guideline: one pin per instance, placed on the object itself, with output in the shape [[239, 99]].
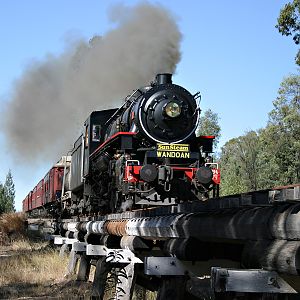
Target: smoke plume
[[53, 97]]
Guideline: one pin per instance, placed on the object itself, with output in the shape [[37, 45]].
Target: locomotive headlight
[[173, 109]]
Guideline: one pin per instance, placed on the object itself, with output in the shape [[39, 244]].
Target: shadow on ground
[[63, 290]]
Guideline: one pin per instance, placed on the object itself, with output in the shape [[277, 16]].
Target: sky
[[231, 52]]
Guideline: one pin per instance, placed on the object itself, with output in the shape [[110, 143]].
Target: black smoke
[[53, 97]]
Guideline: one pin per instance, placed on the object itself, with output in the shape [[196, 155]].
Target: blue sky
[[231, 53]]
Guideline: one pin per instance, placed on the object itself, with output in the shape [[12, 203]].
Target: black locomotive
[[144, 153]]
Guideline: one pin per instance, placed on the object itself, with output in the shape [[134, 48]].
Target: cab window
[[96, 133]]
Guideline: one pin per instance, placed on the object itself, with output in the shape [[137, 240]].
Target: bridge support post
[[84, 268], [73, 261], [125, 282], [64, 250], [102, 269]]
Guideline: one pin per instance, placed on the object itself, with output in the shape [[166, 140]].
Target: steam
[[53, 97]]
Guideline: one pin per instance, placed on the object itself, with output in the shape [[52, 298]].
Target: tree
[[240, 165], [7, 194], [289, 23], [231, 182], [2, 200], [280, 140], [209, 125]]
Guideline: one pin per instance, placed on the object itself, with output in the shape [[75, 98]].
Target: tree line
[[7, 194], [269, 156], [264, 158]]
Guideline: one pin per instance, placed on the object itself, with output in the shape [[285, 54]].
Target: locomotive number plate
[[173, 150]]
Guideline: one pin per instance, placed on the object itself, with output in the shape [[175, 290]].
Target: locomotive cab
[[92, 137]]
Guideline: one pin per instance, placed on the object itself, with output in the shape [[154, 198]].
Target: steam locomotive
[[144, 153]]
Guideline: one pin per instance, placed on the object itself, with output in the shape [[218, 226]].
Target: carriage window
[[86, 138], [96, 134]]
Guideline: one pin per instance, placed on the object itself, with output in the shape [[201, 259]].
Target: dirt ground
[[68, 289]]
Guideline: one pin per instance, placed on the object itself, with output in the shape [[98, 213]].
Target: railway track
[[245, 245]]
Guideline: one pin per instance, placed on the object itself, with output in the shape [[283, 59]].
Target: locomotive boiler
[[141, 154]]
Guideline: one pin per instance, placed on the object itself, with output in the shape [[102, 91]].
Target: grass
[[31, 267], [12, 226], [27, 267]]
